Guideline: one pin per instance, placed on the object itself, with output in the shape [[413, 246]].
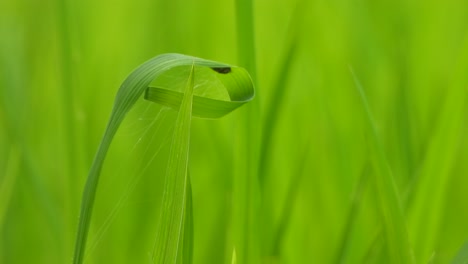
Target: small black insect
[[222, 70]]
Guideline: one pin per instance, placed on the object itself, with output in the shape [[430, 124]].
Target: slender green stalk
[[170, 232], [186, 255], [246, 195], [246, 36], [69, 156]]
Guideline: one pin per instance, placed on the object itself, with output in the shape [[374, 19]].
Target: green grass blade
[[462, 255], [432, 188], [398, 243], [291, 196], [186, 252], [131, 90], [270, 123], [170, 232], [234, 256], [345, 243], [279, 91], [246, 35], [246, 196], [8, 180]]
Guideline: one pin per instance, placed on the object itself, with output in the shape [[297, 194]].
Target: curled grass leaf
[[236, 82], [240, 88]]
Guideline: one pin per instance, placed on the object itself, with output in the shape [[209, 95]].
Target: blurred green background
[[289, 178]]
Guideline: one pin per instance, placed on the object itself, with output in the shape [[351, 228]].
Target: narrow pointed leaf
[[170, 233], [186, 252]]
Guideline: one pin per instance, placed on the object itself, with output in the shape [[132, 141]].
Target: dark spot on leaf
[[222, 70]]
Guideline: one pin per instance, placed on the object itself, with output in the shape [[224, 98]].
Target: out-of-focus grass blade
[[234, 256], [432, 188], [8, 180], [169, 241], [397, 239], [269, 127], [462, 255], [286, 212], [343, 249], [245, 195], [186, 254], [279, 90], [239, 86]]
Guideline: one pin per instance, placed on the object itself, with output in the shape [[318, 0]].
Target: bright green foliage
[[394, 225], [315, 169]]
